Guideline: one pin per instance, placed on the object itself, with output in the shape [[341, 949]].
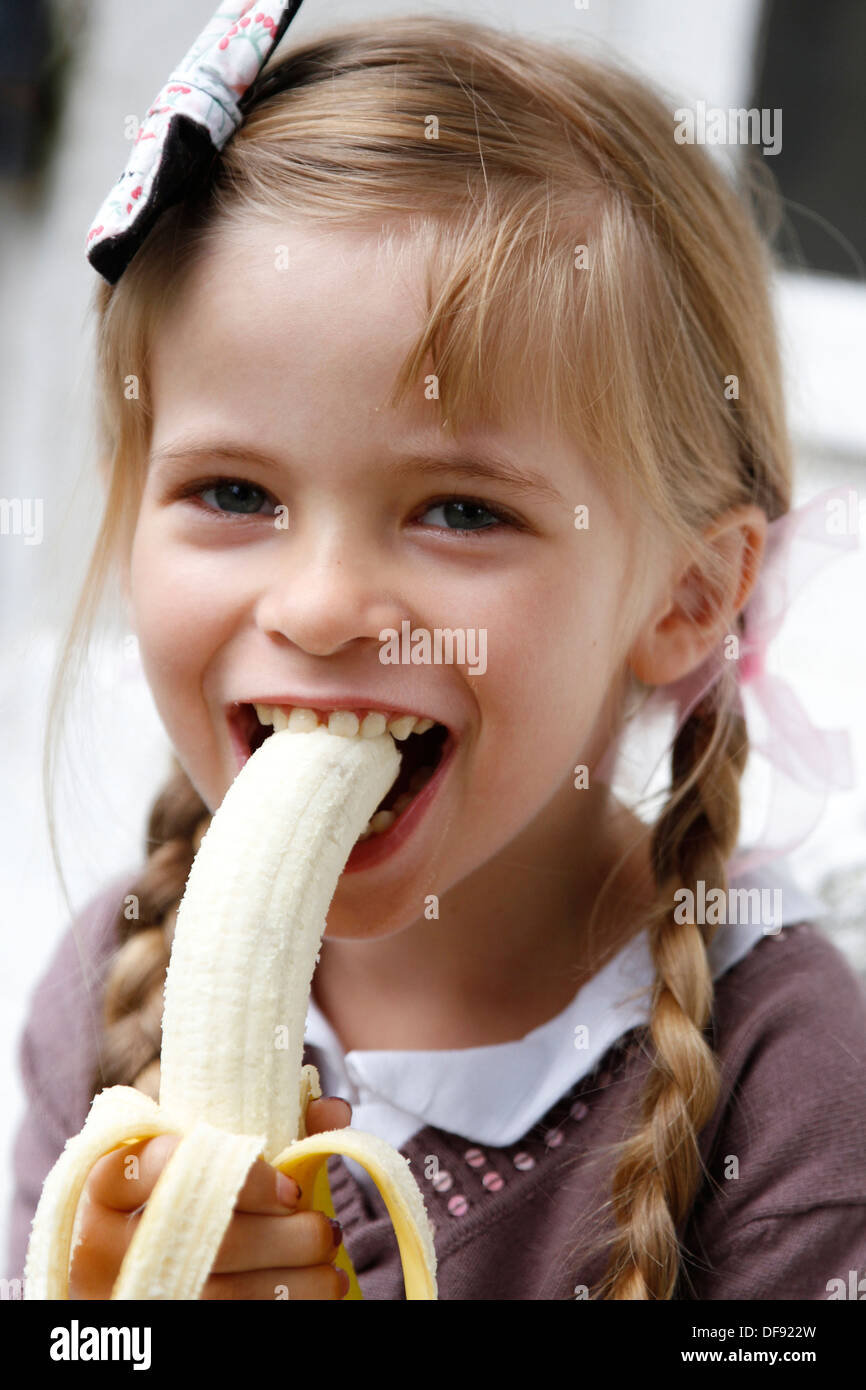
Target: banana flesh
[[233, 1087]]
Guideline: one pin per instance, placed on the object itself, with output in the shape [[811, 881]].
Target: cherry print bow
[[189, 122]]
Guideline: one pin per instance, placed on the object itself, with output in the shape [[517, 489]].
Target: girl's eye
[[463, 515], [232, 495], [235, 496]]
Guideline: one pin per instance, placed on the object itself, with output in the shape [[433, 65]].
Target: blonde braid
[[659, 1168], [132, 1011]]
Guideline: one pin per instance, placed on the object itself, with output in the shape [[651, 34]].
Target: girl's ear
[[696, 608]]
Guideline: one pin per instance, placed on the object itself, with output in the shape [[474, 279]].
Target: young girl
[[444, 340]]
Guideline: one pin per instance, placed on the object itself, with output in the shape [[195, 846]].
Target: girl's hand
[[268, 1244]]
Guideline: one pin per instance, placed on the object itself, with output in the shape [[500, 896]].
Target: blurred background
[[71, 76]]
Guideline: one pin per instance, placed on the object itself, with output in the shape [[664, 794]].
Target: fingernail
[[337, 1229], [344, 1282], [288, 1190], [343, 1101]]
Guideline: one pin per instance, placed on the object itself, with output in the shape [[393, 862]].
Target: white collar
[[494, 1095]]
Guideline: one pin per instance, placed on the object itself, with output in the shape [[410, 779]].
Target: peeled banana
[[246, 943]]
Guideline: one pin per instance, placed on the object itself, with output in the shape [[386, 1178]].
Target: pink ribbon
[[818, 761]]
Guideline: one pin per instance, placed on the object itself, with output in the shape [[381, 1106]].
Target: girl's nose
[[327, 596]]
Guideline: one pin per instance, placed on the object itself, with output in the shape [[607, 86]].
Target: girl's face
[[274, 366]]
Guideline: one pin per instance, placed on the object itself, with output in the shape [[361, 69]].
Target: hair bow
[[187, 125], [800, 755]]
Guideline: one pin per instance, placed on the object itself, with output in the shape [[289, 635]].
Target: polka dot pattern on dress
[[493, 1181], [532, 1150]]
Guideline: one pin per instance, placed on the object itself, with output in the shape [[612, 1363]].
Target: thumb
[[329, 1112]]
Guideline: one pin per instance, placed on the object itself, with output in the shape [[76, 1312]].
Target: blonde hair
[[538, 151]]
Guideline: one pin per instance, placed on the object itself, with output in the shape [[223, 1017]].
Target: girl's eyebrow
[[203, 451], [475, 463]]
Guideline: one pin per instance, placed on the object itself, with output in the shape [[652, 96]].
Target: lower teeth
[[383, 820]]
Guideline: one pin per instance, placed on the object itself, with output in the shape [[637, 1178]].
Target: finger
[[321, 1282], [125, 1178], [261, 1192], [96, 1260], [265, 1242], [331, 1112], [263, 1189]]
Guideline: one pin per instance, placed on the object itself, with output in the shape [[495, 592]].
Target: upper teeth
[[343, 722], [347, 724]]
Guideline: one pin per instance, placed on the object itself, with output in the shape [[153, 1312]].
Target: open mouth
[[422, 743]]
